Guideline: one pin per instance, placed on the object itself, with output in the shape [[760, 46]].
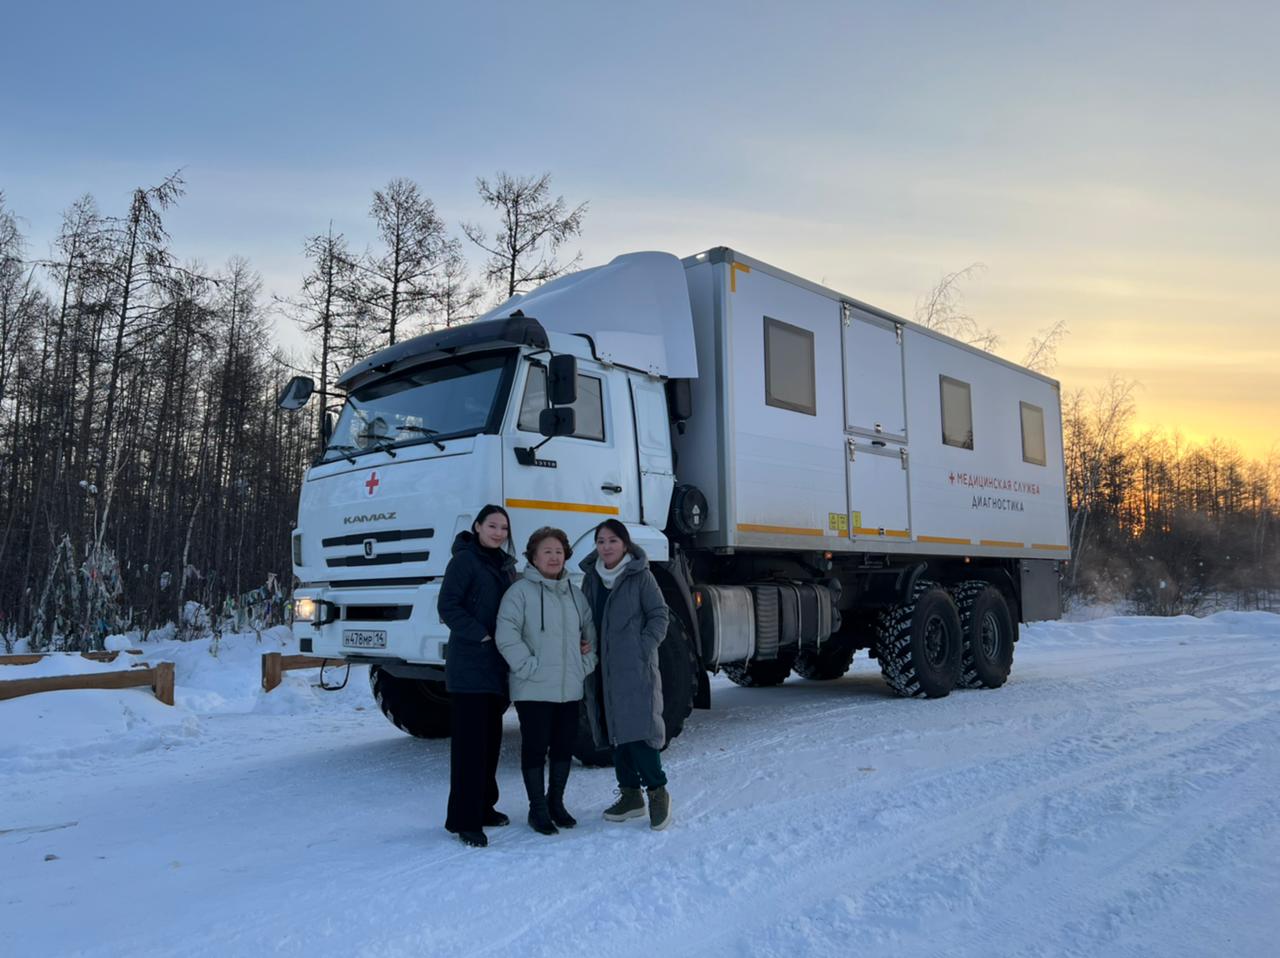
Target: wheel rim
[[990, 636], [935, 641]]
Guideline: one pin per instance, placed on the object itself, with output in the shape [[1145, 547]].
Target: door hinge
[[846, 313], [902, 456], [897, 332], [853, 449]]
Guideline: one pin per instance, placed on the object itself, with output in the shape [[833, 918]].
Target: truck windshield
[[441, 401]]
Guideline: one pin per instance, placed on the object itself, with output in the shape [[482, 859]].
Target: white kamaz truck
[[809, 475]]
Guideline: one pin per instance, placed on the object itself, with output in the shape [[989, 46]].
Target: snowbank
[[212, 678], [52, 728]]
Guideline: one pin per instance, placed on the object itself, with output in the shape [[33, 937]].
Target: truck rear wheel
[[760, 673], [988, 630], [830, 661], [678, 667], [417, 706], [919, 643]]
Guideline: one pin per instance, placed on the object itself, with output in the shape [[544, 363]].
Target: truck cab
[[434, 429]]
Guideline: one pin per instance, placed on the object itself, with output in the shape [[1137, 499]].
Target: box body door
[[876, 434]]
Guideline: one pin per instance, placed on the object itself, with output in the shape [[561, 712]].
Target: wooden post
[[271, 669], [163, 682], [274, 664]]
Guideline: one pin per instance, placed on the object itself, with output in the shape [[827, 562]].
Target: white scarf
[[610, 576]]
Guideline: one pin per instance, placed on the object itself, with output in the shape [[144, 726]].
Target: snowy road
[[1120, 796]]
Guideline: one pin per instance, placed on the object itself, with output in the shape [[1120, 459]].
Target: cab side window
[[588, 410]]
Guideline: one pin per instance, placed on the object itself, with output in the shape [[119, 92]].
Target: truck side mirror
[[562, 382], [558, 421], [679, 399], [296, 393]]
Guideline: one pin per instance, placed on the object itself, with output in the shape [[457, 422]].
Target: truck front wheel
[[417, 706], [678, 667], [920, 643]]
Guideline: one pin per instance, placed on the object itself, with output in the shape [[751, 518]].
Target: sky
[[1111, 165]]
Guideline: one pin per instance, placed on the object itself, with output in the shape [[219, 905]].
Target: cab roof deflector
[[511, 331], [634, 309]]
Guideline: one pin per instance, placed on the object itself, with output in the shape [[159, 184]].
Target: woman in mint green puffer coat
[[547, 635]]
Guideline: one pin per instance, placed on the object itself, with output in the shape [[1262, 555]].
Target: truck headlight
[[304, 610]]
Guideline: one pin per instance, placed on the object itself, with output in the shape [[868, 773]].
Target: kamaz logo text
[[371, 517]]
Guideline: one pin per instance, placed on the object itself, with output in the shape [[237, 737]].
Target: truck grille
[[391, 558], [370, 554], [385, 535]]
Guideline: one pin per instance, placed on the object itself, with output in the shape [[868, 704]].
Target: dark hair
[[486, 512], [547, 532], [617, 528]]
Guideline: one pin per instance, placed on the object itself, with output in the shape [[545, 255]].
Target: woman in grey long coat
[[624, 698]]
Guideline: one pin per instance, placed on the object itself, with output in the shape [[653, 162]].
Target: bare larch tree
[[532, 229], [415, 244]]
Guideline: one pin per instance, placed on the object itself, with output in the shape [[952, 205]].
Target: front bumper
[[407, 614]]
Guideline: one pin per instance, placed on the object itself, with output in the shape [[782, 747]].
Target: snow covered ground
[[1120, 796]]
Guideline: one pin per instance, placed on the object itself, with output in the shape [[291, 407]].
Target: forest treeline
[[146, 474], [148, 477], [1167, 526]]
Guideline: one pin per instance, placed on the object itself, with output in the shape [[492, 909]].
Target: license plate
[[364, 639]]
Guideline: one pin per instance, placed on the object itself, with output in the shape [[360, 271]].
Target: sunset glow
[[1113, 168]]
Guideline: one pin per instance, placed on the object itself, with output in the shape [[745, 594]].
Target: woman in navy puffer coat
[[478, 575]]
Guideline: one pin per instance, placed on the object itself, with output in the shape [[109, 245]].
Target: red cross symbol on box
[[372, 482]]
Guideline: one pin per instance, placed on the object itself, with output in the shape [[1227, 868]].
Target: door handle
[[611, 487]]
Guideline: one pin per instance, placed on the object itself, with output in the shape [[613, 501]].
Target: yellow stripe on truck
[[778, 530], [548, 506]]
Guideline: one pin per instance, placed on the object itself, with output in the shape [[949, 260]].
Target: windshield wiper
[[343, 451], [383, 442], [426, 432]]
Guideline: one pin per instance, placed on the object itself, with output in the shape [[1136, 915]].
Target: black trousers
[[638, 763], [546, 727], [473, 758]]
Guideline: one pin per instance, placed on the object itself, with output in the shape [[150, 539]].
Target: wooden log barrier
[[159, 678], [33, 657], [274, 664]]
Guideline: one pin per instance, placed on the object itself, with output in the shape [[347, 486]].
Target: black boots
[[546, 810], [539, 816], [555, 795]]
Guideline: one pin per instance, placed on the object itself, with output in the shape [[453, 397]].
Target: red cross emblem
[[372, 482]]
